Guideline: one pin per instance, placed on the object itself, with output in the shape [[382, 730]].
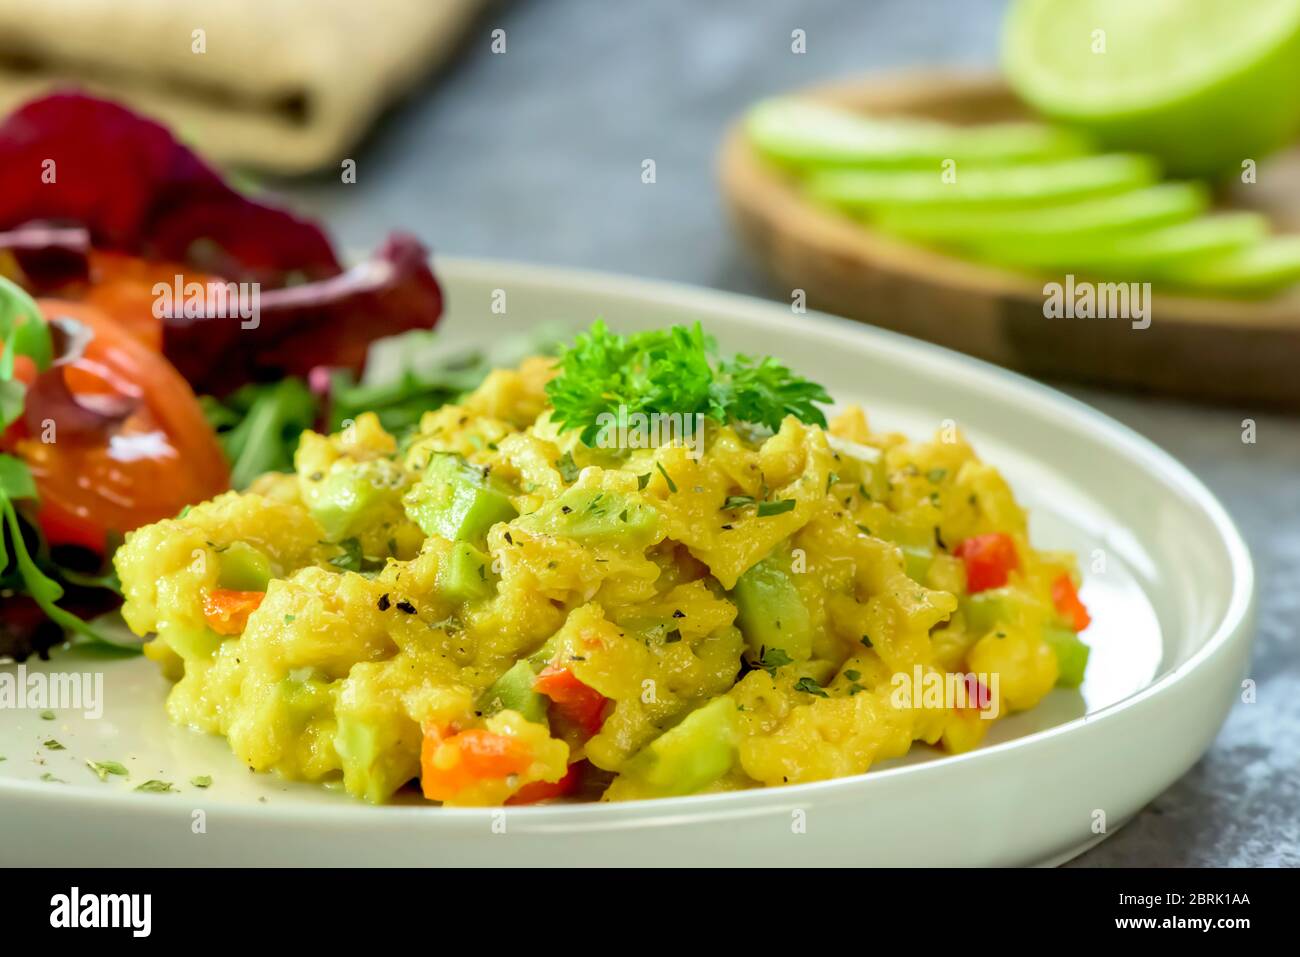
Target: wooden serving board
[[1227, 350]]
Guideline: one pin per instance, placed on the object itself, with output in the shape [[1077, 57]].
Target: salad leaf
[[259, 425], [24, 331]]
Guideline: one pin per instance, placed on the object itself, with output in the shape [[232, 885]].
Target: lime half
[[1203, 84]]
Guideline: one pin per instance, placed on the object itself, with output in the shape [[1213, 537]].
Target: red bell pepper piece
[[545, 790], [988, 559], [227, 611], [572, 700], [1066, 598]]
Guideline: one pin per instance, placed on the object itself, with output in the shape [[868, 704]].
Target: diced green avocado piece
[[688, 757], [244, 568], [770, 612], [457, 501], [374, 766], [589, 514], [917, 562], [1071, 656], [465, 575], [194, 644], [340, 501], [513, 691], [303, 697], [994, 606]]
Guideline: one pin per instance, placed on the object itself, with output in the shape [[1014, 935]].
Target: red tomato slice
[[160, 458]]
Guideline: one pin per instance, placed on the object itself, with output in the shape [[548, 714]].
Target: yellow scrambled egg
[[503, 613]]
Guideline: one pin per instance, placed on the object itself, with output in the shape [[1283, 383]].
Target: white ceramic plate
[[1167, 577]]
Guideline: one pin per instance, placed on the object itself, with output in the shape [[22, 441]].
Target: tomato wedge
[[157, 459]]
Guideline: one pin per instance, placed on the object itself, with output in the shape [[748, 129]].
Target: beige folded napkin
[[283, 85]]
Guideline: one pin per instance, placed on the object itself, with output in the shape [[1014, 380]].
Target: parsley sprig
[[675, 370]]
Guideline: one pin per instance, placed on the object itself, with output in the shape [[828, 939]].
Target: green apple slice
[[992, 188], [1121, 212], [805, 133], [1145, 255], [1262, 268]]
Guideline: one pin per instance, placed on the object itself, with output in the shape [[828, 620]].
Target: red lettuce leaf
[[330, 322], [50, 257], [75, 160]]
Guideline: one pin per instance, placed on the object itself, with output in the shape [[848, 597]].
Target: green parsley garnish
[[774, 658], [673, 371], [49, 776], [809, 686], [47, 715], [642, 481], [672, 486], [936, 475], [352, 559], [201, 781], [778, 507], [156, 787], [738, 501], [866, 641], [852, 675], [105, 768], [53, 745]]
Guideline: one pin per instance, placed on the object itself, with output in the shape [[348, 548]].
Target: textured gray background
[[535, 155]]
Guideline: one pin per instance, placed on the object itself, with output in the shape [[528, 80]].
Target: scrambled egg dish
[[503, 614]]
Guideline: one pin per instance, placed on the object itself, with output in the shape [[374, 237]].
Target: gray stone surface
[[536, 155]]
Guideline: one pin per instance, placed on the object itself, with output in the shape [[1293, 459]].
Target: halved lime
[[996, 187], [1135, 209], [798, 132], [1146, 255], [1203, 84], [1261, 268]]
